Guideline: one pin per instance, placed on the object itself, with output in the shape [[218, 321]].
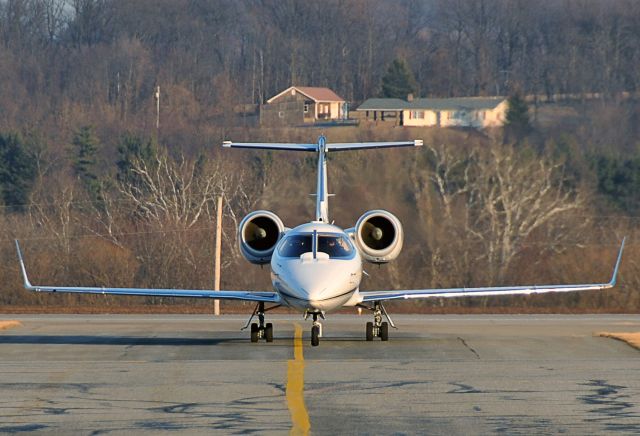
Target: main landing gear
[[316, 329], [378, 328], [260, 330]]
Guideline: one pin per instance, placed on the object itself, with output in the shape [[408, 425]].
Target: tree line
[[100, 196], [476, 209], [101, 60]]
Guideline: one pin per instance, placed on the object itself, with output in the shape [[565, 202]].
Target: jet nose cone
[[323, 285], [317, 289], [317, 293]]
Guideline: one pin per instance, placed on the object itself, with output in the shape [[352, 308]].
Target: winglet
[[614, 277], [27, 284]]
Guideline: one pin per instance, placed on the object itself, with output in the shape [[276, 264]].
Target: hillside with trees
[[100, 195]]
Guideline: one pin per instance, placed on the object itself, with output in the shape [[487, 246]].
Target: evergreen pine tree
[[85, 148], [517, 121], [17, 170], [130, 149], [398, 82]]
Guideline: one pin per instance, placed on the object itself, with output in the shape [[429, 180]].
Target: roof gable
[[316, 94]]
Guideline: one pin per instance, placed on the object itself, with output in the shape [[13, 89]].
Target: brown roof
[[314, 93], [320, 94]]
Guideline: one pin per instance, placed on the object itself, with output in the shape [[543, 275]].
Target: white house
[[478, 112]]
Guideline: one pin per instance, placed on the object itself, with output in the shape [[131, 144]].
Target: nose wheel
[[315, 336], [316, 329]]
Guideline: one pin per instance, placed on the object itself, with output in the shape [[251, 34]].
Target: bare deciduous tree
[[173, 193], [492, 200], [516, 194]]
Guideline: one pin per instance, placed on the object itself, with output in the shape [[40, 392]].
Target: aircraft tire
[[369, 331], [315, 336], [268, 332], [384, 331], [254, 332]]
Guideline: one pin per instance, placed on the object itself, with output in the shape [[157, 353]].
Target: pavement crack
[[462, 388], [468, 347]]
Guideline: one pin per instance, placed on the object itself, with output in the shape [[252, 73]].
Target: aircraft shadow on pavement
[[116, 340], [156, 341]]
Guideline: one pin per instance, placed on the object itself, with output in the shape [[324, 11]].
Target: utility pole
[[157, 96], [216, 287]]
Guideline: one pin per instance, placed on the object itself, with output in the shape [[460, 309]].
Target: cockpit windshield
[[296, 245], [337, 246]]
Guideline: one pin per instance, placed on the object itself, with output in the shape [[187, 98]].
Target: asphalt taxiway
[[116, 374]]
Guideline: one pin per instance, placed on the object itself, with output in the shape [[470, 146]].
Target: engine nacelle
[[379, 236], [258, 234]]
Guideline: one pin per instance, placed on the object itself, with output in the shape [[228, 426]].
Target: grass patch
[[632, 339]]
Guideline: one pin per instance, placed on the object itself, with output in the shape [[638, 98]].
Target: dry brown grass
[[632, 339], [4, 325]]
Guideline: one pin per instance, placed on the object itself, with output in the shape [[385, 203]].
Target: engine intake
[[379, 236], [258, 234]]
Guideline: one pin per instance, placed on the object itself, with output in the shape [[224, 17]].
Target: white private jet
[[317, 266]]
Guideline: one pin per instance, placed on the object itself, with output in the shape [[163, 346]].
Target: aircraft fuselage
[[316, 267]]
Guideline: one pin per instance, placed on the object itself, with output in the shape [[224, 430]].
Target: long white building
[[478, 112]]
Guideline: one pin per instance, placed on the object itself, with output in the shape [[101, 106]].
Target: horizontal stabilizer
[[345, 146], [271, 146], [362, 145]]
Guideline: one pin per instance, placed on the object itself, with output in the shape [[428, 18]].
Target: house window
[[324, 110], [281, 114], [418, 115], [306, 108]]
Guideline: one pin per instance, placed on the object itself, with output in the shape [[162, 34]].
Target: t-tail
[[322, 148]]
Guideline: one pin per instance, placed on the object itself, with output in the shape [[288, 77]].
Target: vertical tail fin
[[322, 190]]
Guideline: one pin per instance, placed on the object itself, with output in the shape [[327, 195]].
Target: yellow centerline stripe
[[9, 324], [297, 343], [295, 387]]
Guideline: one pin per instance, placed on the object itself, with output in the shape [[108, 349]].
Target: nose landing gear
[[316, 329]]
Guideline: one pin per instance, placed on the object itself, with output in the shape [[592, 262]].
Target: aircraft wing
[[266, 297], [370, 296]]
